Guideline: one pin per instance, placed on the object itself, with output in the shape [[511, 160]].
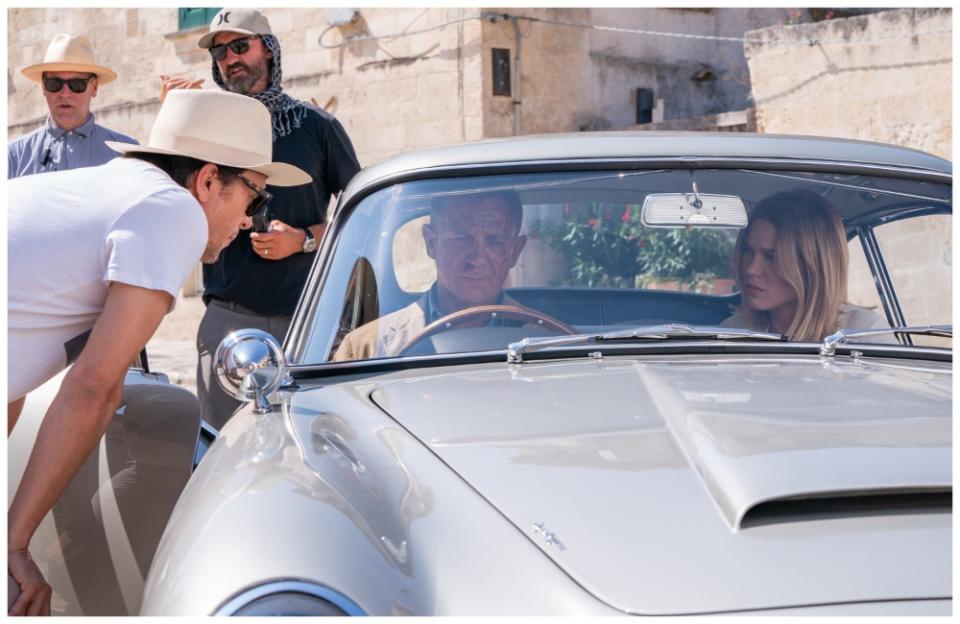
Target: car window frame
[[298, 335], [882, 278]]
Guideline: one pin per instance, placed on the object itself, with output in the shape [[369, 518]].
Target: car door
[[96, 545]]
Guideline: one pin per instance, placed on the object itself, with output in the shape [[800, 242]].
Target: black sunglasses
[[77, 85], [258, 202], [238, 46]]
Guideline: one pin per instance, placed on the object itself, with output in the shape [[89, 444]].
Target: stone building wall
[[575, 79], [875, 77], [391, 95], [882, 77], [433, 87], [400, 94]]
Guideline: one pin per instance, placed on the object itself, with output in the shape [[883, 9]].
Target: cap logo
[[224, 18]]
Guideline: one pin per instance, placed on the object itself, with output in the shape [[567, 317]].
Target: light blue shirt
[[49, 148], [431, 306]]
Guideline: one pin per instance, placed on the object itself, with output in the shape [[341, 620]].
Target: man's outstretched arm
[[74, 423]]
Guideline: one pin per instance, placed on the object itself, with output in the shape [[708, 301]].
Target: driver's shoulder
[[362, 342]]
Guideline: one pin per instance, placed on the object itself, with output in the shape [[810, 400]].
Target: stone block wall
[[399, 94], [575, 78], [392, 95], [882, 77], [435, 86]]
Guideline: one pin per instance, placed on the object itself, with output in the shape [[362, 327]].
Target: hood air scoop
[[847, 505]]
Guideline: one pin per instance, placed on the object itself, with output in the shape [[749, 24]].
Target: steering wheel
[[509, 312]]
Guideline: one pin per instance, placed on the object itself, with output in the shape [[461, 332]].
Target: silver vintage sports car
[[572, 374]]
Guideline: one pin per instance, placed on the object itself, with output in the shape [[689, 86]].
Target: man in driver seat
[[474, 241]]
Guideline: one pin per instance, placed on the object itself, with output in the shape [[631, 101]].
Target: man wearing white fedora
[[69, 78], [257, 281], [93, 272]]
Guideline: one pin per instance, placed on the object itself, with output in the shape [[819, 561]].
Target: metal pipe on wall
[[516, 78]]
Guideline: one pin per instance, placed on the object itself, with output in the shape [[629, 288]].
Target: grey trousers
[[219, 320]]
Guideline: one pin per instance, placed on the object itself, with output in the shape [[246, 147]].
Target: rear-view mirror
[[666, 210]]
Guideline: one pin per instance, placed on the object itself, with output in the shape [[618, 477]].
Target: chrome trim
[[249, 366], [549, 536], [515, 350], [882, 279], [245, 597], [829, 346], [311, 373]]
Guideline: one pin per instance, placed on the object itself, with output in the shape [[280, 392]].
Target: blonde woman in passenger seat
[[790, 264]]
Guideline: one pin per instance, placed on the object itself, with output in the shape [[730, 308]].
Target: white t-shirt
[[71, 233]]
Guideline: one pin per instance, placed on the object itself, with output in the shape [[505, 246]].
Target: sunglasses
[[77, 85], [238, 46], [258, 202]]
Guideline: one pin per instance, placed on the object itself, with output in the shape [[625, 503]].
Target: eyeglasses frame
[[259, 202], [229, 44], [65, 82]]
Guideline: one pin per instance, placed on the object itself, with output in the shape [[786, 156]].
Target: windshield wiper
[[830, 343], [516, 350]]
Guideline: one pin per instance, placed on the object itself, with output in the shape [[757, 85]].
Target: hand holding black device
[[261, 220]]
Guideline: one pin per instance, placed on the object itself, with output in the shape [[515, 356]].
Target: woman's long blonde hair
[[810, 254]]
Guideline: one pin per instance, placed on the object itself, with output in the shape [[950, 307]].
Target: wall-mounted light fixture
[[501, 71]]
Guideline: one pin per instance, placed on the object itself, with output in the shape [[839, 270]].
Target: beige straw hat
[[69, 53], [244, 21], [218, 127]]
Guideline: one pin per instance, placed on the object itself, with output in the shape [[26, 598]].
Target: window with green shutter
[[191, 18]]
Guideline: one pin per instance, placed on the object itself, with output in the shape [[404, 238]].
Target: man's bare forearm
[[84, 405]]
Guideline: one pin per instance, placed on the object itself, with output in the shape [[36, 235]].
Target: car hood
[[707, 485]]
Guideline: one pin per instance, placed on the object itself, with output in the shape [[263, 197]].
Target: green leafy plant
[[607, 246]]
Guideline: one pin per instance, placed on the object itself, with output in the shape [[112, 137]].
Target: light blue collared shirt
[[49, 148], [431, 306]]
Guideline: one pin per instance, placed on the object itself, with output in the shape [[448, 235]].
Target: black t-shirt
[[321, 147]]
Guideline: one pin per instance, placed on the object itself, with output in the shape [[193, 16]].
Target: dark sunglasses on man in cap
[[77, 85], [258, 202], [238, 46]]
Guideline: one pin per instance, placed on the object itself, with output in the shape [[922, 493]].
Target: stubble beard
[[244, 84]]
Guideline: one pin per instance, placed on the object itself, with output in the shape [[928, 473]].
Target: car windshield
[[472, 264]]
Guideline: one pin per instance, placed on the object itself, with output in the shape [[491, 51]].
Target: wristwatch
[[310, 242]]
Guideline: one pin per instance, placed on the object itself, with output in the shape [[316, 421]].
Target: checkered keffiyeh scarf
[[286, 112]]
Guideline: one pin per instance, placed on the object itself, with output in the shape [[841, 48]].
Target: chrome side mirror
[[250, 366]]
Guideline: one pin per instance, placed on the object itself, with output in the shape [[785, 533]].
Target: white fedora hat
[[218, 127], [243, 21], [69, 53]]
